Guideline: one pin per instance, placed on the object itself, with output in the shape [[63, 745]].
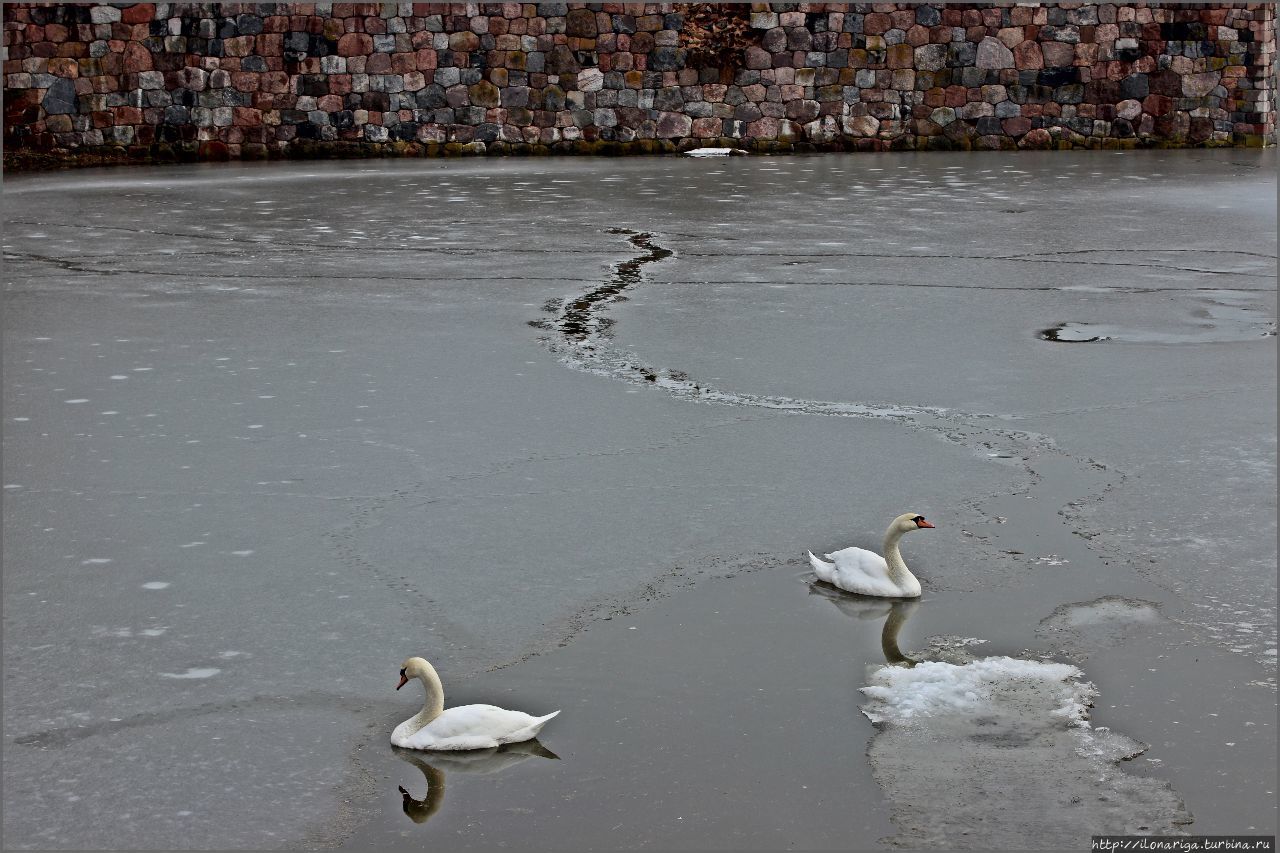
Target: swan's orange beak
[[923, 523], [404, 679]]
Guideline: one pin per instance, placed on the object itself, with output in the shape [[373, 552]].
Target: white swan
[[463, 727], [866, 572]]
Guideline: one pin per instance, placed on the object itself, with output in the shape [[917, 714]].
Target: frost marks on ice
[[997, 750], [1081, 629], [1224, 316]]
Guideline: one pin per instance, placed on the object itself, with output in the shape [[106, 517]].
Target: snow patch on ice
[[193, 672], [932, 687]]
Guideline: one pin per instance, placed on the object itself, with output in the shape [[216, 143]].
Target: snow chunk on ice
[[713, 152], [932, 687]]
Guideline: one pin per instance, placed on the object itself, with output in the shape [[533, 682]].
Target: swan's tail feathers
[[539, 722], [531, 731], [824, 570]]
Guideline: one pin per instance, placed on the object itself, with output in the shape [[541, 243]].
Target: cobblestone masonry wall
[[86, 82]]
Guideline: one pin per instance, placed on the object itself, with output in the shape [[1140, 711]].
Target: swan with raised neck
[[461, 727], [865, 572], [432, 705]]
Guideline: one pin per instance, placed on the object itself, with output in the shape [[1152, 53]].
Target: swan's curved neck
[[433, 705], [898, 571]]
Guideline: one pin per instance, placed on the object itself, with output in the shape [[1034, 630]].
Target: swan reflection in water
[[476, 761], [895, 613]]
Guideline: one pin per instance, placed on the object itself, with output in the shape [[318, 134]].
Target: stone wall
[[147, 82]]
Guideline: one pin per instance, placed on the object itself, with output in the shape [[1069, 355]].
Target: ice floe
[[997, 750]]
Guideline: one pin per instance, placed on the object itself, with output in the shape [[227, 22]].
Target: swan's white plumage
[[471, 727], [463, 727], [861, 571], [865, 572]]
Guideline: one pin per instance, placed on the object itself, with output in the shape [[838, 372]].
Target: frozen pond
[[567, 427]]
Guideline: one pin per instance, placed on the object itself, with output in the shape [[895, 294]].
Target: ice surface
[[482, 516]]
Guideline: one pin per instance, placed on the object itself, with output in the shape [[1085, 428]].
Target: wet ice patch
[[998, 750], [1107, 611], [156, 585]]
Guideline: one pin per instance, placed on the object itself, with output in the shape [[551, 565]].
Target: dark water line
[[579, 319]]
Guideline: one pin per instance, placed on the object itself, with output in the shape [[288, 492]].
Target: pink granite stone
[[1157, 105], [1058, 54], [714, 92], [1037, 139], [138, 13], [757, 58], [1011, 37], [64, 67], [993, 54], [876, 23], [355, 44], [861, 125], [276, 82], [706, 128], [672, 125], [900, 56], [1199, 85], [238, 46]]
